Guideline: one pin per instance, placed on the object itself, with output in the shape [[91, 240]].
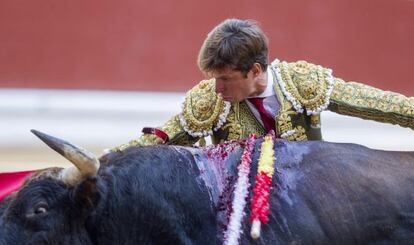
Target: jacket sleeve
[[202, 113], [174, 130], [359, 100], [312, 88]]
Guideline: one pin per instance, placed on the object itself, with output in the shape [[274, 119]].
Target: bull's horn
[[87, 165]]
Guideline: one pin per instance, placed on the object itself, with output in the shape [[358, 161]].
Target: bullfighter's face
[[235, 86]]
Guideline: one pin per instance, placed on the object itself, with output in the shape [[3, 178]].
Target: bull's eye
[[38, 210], [41, 208]]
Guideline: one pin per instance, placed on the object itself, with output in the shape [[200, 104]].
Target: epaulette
[[307, 86], [203, 111]]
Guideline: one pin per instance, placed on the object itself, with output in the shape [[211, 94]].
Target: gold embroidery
[[203, 110], [284, 122], [249, 122], [202, 142], [284, 125], [300, 134], [145, 139], [307, 84], [232, 124], [355, 99], [172, 128], [315, 121]]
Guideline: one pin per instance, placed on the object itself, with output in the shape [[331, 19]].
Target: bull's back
[[343, 193]]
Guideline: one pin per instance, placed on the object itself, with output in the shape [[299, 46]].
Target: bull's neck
[[218, 173]]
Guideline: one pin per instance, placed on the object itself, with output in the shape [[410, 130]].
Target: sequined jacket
[[303, 90]]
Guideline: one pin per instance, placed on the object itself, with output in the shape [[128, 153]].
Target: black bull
[[322, 193]]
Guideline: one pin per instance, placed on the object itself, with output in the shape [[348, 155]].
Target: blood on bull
[[321, 193]]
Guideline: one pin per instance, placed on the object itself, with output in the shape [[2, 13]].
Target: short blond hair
[[234, 43]]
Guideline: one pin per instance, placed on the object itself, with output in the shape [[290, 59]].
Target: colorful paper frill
[[241, 191], [261, 192]]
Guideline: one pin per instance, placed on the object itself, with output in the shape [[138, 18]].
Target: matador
[[292, 95], [302, 90]]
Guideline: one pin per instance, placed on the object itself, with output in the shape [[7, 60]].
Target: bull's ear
[[86, 194]]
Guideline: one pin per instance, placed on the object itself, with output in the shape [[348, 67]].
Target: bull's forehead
[[48, 173]]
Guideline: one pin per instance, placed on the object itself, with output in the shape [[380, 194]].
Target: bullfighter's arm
[[311, 88], [202, 113], [356, 99], [174, 130]]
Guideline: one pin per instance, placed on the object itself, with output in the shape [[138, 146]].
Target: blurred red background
[[153, 45]]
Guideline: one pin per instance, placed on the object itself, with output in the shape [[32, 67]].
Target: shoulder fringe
[[203, 111], [289, 89]]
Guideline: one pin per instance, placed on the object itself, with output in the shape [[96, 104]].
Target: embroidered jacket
[[302, 89]]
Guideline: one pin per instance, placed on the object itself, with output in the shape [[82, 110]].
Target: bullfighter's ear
[[86, 194]]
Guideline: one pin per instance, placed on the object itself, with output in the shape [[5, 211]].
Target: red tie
[[267, 119]]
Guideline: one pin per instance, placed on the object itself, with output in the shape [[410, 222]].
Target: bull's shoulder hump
[[323, 151]]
